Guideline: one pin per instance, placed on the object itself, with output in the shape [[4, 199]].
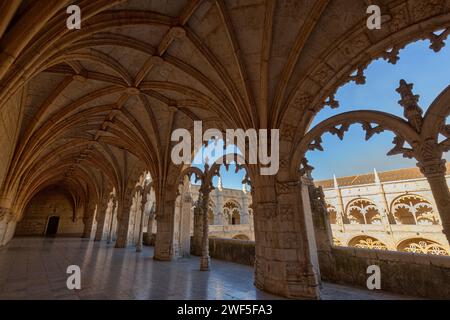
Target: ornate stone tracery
[[367, 243], [423, 246], [414, 209]]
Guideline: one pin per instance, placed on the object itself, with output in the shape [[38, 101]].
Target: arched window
[[422, 246], [332, 214], [236, 217], [365, 242], [413, 209], [363, 211], [231, 212]]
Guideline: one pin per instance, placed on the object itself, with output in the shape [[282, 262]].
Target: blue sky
[[430, 73]]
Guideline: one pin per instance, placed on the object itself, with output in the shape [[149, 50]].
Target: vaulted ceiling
[[93, 106]]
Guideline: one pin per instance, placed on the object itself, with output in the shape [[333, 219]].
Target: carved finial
[[336, 185], [377, 177], [409, 102]]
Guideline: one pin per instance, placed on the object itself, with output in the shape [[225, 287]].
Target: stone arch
[[359, 53], [413, 209], [372, 122], [231, 211], [363, 211], [422, 246], [367, 242], [235, 217], [241, 237]]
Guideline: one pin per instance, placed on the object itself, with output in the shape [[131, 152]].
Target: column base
[[205, 263], [294, 283]]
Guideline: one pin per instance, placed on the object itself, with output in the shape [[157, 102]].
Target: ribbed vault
[[97, 106]]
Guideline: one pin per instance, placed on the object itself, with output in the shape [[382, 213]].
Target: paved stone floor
[[35, 268]]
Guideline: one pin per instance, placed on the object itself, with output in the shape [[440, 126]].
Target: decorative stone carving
[[409, 102], [303, 101], [371, 131], [423, 9], [399, 148], [267, 209], [316, 144], [340, 131], [286, 187], [358, 77], [331, 102], [305, 169], [438, 41], [288, 132], [286, 213]]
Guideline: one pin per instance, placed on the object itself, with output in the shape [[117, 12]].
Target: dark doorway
[[52, 226]]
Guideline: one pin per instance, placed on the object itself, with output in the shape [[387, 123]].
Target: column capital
[[432, 168]]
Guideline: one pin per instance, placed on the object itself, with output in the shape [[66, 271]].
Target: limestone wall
[[50, 202], [415, 275], [410, 274], [238, 251]]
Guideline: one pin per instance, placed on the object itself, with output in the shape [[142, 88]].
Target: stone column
[[320, 217], [218, 215], [89, 221], [151, 218], [434, 171], [111, 222], [165, 227], [144, 192], [244, 213], [185, 225], [205, 191], [123, 222], [196, 246], [5, 219], [283, 263], [101, 219]]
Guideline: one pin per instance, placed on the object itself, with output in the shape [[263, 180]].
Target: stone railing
[[238, 251], [417, 275]]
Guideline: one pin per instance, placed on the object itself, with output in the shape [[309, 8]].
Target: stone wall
[[50, 202], [238, 251], [148, 241], [415, 275], [410, 274]]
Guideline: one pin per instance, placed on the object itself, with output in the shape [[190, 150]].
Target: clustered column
[[434, 171], [111, 222], [205, 191]]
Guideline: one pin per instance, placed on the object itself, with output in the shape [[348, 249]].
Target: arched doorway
[[52, 226]]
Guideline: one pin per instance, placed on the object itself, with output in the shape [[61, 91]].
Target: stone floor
[[35, 268]]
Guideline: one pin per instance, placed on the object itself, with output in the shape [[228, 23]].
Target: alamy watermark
[[256, 151], [374, 280], [74, 280]]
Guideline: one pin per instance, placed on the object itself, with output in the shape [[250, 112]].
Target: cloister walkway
[[35, 268]]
